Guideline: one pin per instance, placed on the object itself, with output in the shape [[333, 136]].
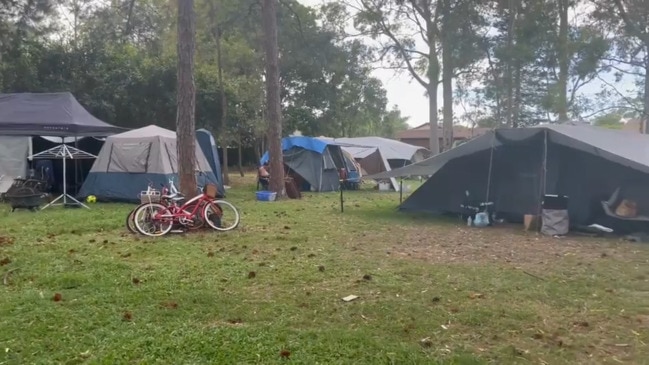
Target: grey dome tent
[[515, 168], [129, 161], [313, 162]]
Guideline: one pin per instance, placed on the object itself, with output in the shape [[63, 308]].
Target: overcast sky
[[406, 94]]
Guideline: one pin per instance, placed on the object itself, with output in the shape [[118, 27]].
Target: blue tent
[[208, 145], [129, 161], [315, 161]]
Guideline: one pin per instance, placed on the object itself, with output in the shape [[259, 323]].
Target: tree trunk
[[645, 109], [447, 93], [240, 161], [274, 114], [511, 29], [564, 61], [516, 105], [186, 98], [433, 83], [224, 112]]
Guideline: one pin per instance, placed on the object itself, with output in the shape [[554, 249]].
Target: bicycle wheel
[[130, 221], [199, 222], [221, 215], [146, 224]]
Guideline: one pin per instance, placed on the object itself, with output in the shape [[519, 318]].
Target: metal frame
[[64, 152]]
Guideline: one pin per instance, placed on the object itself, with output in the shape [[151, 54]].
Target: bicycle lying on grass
[[164, 210]]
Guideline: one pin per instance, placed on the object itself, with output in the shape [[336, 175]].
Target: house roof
[[459, 132]]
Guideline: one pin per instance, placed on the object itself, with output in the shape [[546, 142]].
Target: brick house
[[419, 136]]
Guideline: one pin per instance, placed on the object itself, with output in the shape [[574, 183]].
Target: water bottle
[[469, 222]]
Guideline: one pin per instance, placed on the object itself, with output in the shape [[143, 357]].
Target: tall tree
[[186, 98], [397, 21], [273, 103], [628, 19], [564, 60]]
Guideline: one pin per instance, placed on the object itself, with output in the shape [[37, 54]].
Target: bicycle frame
[[180, 213]]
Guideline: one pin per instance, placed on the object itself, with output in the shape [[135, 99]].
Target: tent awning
[[49, 114], [626, 148]]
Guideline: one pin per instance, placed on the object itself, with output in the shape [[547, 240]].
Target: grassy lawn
[[429, 292]]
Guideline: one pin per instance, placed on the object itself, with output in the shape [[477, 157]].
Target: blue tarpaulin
[[308, 143]]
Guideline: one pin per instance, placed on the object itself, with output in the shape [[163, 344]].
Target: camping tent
[[15, 152], [207, 143], [377, 154], [129, 161], [49, 114], [514, 168], [313, 162], [397, 153]]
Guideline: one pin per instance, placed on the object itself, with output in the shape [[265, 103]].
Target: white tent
[[378, 154], [14, 151]]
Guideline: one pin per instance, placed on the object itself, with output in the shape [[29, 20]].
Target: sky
[[402, 91], [409, 95]]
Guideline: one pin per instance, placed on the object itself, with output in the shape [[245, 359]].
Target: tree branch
[[386, 30], [642, 35], [607, 109], [624, 97]]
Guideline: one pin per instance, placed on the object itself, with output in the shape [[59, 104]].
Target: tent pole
[[76, 168], [401, 190], [342, 200], [544, 172], [491, 164]]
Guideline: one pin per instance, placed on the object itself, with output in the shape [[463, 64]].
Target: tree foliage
[[118, 58]]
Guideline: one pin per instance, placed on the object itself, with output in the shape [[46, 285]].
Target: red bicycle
[[157, 219]]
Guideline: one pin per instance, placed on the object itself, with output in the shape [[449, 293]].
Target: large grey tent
[[49, 114], [129, 161], [514, 168]]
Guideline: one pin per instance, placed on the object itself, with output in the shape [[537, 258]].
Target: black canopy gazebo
[[52, 114]]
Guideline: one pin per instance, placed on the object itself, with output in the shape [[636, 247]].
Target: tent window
[[328, 161], [351, 166], [129, 157]]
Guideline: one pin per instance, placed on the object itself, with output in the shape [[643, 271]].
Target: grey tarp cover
[[390, 149], [431, 165], [128, 161], [49, 114], [13, 159], [627, 148]]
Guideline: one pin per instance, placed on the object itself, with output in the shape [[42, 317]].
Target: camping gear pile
[[26, 193]]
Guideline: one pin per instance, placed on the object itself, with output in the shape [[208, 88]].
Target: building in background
[[419, 136]]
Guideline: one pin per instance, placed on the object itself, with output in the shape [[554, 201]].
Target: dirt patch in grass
[[505, 244]]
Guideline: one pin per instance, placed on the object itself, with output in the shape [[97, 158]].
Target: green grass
[[473, 296]]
